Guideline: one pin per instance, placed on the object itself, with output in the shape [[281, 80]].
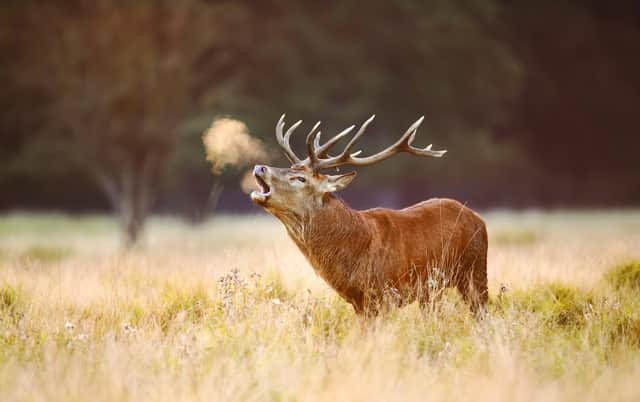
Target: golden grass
[[230, 310]]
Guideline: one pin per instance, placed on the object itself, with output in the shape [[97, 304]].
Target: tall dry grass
[[231, 311]]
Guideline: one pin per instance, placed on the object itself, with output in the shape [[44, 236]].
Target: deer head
[[303, 187]]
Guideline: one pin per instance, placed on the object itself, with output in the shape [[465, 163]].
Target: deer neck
[[333, 238]]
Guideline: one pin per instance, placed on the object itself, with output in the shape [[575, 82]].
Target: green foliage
[[625, 329], [554, 328], [182, 305], [46, 254], [441, 58], [557, 304], [53, 225], [13, 303], [271, 285], [9, 299], [330, 320], [516, 237], [626, 275], [181, 325]]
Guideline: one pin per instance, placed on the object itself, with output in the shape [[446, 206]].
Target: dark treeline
[[103, 102]]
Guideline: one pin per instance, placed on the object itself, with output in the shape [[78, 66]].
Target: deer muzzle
[[261, 175]]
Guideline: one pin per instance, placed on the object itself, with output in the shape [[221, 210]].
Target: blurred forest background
[[104, 102]]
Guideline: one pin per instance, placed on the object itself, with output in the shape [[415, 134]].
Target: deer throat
[[334, 241]]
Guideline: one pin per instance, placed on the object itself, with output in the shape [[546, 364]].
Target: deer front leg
[[364, 305]]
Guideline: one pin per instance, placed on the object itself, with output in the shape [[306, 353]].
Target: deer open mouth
[[266, 190], [263, 194]]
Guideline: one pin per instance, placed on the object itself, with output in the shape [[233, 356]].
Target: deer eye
[[299, 178]]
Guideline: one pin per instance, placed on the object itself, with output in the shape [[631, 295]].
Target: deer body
[[380, 250], [377, 256]]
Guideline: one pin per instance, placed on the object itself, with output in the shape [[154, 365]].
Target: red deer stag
[[368, 255]]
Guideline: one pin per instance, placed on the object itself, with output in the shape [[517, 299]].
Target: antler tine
[[402, 145], [346, 154], [283, 139], [316, 141], [313, 138], [407, 138], [291, 129], [317, 152], [355, 138], [426, 151], [321, 150]]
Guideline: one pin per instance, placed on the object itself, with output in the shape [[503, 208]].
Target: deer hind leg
[[480, 283], [364, 305], [472, 285]]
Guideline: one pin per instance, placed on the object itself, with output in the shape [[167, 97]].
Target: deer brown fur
[[379, 256]]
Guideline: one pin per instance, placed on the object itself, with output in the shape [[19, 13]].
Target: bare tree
[[119, 78]]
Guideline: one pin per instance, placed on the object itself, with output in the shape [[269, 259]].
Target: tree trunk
[[129, 193], [133, 215], [205, 209]]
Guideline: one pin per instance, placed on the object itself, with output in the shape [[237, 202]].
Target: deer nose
[[259, 169]]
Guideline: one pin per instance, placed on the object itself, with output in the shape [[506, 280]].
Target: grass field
[[230, 310]]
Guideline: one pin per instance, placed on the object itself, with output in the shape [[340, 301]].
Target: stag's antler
[[283, 140], [318, 154]]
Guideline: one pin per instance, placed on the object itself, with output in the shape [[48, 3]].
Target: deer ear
[[338, 182]]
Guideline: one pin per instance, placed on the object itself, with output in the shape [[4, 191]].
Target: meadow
[[230, 310]]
